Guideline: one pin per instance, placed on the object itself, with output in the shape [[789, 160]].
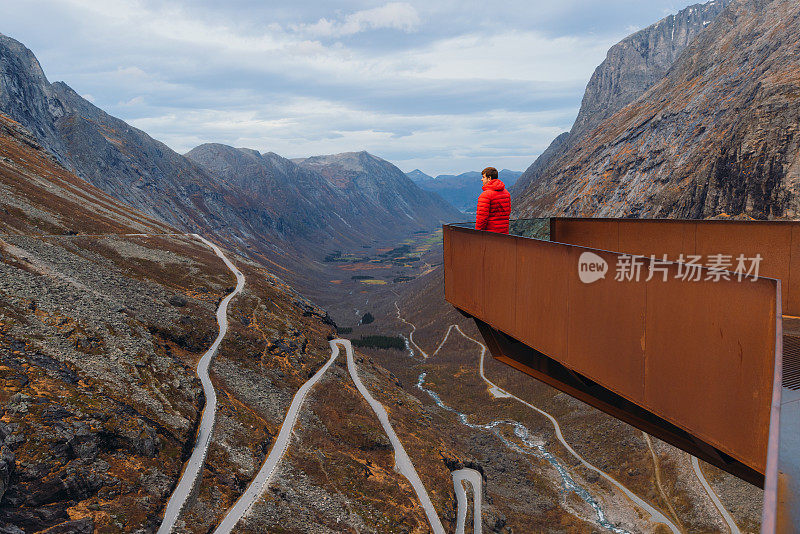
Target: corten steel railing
[[690, 362], [778, 242]]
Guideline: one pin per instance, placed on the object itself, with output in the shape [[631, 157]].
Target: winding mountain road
[[193, 469], [732, 526], [262, 478], [414, 329], [474, 479], [191, 475], [403, 463]]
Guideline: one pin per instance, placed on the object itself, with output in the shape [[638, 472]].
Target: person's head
[[488, 174]]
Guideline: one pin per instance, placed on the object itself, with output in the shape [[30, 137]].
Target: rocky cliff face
[[557, 148], [383, 187], [300, 203], [639, 61], [717, 135], [27, 96], [631, 67]]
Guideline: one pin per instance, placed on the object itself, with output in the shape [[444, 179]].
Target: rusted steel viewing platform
[[677, 327]]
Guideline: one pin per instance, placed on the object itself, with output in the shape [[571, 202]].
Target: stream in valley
[[529, 447]]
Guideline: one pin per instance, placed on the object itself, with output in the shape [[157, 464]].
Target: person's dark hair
[[489, 172]]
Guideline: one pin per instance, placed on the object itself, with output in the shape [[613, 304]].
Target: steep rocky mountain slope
[[380, 190], [314, 206], [103, 315], [718, 134], [462, 190], [98, 402], [110, 154], [631, 67]]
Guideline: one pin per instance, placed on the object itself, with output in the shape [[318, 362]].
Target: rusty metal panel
[[447, 255], [656, 237], [778, 243], [733, 238], [605, 339], [540, 299], [697, 354], [500, 280], [709, 353], [791, 287], [591, 233], [464, 270]]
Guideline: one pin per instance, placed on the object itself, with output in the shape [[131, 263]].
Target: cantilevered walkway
[[686, 329]]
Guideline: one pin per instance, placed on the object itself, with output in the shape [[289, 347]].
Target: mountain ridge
[[146, 174], [462, 190], [717, 135], [630, 68], [416, 175]]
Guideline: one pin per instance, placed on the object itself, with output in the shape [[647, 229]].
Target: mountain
[[39, 196], [104, 314], [290, 212], [328, 202], [417, 176], [110, 154], [631, 67], [27, 96], [717, 135], [462, 190], [381, 192], [299, 204]]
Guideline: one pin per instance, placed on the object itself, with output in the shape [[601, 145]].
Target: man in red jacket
[[494, 204]]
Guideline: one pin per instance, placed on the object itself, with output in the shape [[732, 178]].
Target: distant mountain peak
[[418, 176], [346, 161], [462, 190]]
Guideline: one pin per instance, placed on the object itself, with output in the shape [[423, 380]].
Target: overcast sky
[[444, 86]]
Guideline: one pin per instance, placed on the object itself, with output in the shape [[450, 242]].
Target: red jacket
[[494, 206]]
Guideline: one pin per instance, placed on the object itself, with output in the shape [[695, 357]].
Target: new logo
[[591, 267]]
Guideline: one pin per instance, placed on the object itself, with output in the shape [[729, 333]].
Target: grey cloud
[[307, 94]]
